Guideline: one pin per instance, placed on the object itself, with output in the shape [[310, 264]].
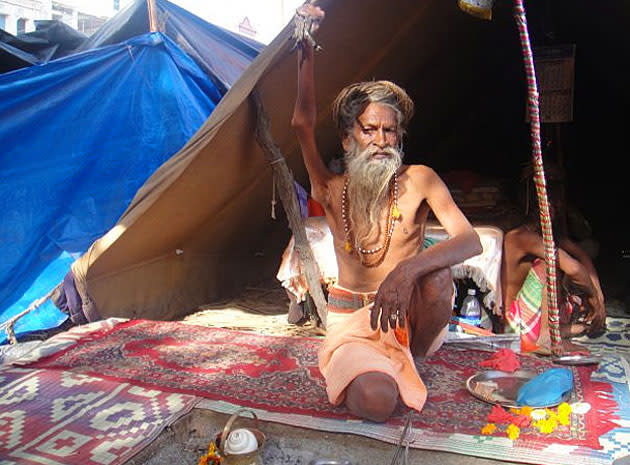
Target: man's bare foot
[[568, 348]]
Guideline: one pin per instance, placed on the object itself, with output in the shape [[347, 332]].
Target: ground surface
[[187, 440], [264, 310]]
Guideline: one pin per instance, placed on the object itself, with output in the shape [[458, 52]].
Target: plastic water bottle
[[471, 309]]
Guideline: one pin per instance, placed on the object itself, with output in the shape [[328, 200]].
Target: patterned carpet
[[616, 340], [55, 417], [278, 377]]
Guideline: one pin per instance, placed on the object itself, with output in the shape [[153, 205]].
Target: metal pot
[[248, 458]]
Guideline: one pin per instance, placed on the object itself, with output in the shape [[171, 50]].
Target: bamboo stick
[[290, 203]]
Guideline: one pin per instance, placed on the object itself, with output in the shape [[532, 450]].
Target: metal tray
[[499, 387], [577, 359]]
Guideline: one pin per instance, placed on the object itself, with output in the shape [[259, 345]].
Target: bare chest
[[392, 245]]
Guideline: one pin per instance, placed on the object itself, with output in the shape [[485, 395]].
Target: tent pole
[[152, 16], [290, 203], [539, 178]]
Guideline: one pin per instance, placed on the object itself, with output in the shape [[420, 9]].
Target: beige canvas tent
[[196, 229]]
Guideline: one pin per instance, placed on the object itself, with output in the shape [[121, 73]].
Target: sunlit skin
[[377, 126]]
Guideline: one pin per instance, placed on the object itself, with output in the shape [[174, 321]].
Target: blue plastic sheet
[[222, 54], [79, 136]]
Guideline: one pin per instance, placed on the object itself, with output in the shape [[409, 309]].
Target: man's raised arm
[[305, 112]]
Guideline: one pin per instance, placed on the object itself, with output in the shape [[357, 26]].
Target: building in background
[[245, 27], [65, 13], [89, 24], [19, 16]]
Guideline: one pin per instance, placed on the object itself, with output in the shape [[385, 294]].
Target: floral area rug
[[56, 417], [279, 378]]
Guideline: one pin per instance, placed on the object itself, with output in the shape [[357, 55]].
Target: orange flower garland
[[544, 420]]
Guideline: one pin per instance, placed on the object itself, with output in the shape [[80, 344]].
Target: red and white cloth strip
[[539, 176]]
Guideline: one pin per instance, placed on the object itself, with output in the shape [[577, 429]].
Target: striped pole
[[539, 178]]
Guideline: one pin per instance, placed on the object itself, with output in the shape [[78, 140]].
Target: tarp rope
[[10, 323], [539, 178]]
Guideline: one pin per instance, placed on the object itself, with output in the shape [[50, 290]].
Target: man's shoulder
[[419, 172], [521, 234]]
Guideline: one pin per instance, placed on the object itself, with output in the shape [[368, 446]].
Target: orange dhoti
[[353, 348]]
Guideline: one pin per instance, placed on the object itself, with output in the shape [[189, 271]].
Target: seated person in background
[[393, 300], [523, 278]]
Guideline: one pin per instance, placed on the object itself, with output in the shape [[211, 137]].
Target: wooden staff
[[289, 200]]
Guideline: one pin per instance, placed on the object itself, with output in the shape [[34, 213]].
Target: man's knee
[[372, 396], [436, 286], [432, 311]]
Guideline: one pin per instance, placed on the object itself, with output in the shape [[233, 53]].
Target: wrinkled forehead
[[380, 114]]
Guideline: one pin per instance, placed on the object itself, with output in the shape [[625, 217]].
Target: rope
[[10, 323], [539, 177]]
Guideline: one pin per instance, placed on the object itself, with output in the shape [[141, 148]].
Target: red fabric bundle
[[503, 360], [500, 416]]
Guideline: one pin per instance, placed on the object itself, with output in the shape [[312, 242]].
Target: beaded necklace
[[393, 215]]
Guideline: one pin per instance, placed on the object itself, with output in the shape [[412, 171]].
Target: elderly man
[[393, 300]]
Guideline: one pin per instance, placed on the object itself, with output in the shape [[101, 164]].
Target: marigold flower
[[526, 410], [546, 426], [211, 457], [512, 431], [564, 409], [489, 429], [564, 420]]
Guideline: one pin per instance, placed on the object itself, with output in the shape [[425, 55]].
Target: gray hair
[[354, 99]]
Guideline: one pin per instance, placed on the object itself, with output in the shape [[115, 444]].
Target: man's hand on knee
[[392, 300]]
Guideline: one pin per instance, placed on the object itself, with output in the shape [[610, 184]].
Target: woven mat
[[615, 341], [55, 417], [278, 377]]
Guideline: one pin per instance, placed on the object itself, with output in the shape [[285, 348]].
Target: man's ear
[[346, 142]]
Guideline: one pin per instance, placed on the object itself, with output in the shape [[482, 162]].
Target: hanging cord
[[10, 323], [403, 442], [273, 187], [539, 178]]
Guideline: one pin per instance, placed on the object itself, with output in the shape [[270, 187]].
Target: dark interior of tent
[[466, 77]]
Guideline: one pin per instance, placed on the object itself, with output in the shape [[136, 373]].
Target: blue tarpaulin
[[223, 54], [79, 136]]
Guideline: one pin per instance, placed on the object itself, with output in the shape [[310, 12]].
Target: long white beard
[[368, 189]]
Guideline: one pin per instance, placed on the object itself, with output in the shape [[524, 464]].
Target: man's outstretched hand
[[596, 314], [307, 19], [392, 299]]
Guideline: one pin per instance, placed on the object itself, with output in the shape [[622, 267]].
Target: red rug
[[56, 417], [280, 374]]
